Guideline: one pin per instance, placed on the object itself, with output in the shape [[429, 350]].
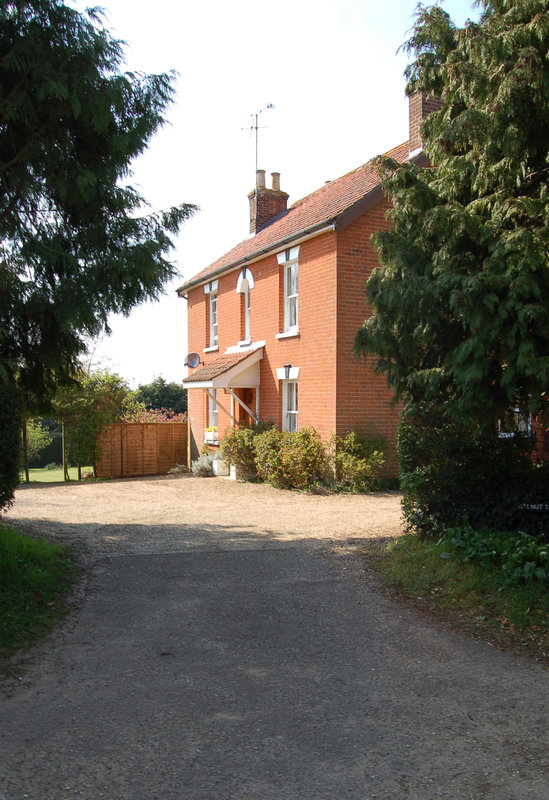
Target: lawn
[[466, 595], [52, 475], [36, 577]]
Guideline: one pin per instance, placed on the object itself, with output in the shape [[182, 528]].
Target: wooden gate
[[129, 449]]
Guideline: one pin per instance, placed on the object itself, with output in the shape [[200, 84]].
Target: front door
[[248, 397]]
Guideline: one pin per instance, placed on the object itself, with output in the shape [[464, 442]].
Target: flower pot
[[220, 467]]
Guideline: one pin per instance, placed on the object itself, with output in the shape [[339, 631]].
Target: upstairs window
[[210, 289], [213, 319], [288, 260], [244, 287]]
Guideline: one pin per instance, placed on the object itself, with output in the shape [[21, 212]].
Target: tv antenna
[[255, 126]]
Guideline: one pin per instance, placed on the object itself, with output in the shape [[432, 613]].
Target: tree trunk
[[25, 451], [64, 449]]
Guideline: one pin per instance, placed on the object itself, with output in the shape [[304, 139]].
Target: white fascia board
[[274, 248]]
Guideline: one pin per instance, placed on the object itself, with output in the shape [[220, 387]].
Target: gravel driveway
[[182, 513], [221, 650]]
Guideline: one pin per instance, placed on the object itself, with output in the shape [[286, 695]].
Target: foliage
[[203, 465], [461, 301], [35, 576], [470, 594], [86, 407], [10, 442], [238, 448], [142, 414], [160, 394], [520, 557], [38, 438], [290, 460], [75, 243], [452, 471], [357, 461]]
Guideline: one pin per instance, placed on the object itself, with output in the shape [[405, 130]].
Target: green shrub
[[203, 465], [10, 443], [238, 449], [521, 557], [291, 460], [357, 461], [452, 471]]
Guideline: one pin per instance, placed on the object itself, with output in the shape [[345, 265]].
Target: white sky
[[332, 71]]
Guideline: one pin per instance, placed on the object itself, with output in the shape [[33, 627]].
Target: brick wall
[[337, 393], [363, 399]]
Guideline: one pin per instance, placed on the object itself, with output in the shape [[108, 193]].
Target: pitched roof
[[314, 211], [217, 367]]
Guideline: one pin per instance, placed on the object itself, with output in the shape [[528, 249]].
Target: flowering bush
[[153, 415]]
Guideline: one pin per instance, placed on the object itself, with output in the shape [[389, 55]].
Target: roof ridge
[[330, 183], [321, 206]]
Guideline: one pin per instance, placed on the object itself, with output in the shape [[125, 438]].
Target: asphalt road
[[234, 672]]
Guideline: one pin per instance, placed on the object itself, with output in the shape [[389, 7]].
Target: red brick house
[[274, 319]]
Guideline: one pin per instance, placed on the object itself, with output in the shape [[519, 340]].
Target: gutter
[[295, 239], [341, 220]]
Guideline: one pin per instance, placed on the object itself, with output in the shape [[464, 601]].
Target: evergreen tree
[[461, 300], [76, 244]]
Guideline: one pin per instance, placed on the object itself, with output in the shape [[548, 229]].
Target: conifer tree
[[461, 299], [76, 239]]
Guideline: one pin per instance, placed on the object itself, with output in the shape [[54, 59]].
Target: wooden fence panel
[[128, 449]]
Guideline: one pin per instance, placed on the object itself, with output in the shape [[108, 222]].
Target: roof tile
[[217, 367], [322, 206]]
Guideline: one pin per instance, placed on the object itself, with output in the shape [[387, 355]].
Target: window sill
[[244, 342], [288, 334], [213, 349]]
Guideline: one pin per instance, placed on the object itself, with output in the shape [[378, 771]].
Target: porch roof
[[229, 370]]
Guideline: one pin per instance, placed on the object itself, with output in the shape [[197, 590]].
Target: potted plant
[[211, 435]]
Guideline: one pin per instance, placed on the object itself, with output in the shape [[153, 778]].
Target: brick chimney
[[420, 106], [266, 204]]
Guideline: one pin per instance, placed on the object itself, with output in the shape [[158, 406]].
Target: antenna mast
[[255, 126]]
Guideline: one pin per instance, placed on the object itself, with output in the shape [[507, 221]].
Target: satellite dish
[[192, 360]]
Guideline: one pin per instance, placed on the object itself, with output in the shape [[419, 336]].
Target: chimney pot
[[266, 204]]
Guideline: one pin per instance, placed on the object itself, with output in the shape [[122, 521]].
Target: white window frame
[[290, 405], [289, 260], [213, 410], [244, 286], [247, 313], [214, 341], [523, 424], [210, 289]]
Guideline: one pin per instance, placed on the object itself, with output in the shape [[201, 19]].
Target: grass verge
[[35, 579], [465, 595]]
